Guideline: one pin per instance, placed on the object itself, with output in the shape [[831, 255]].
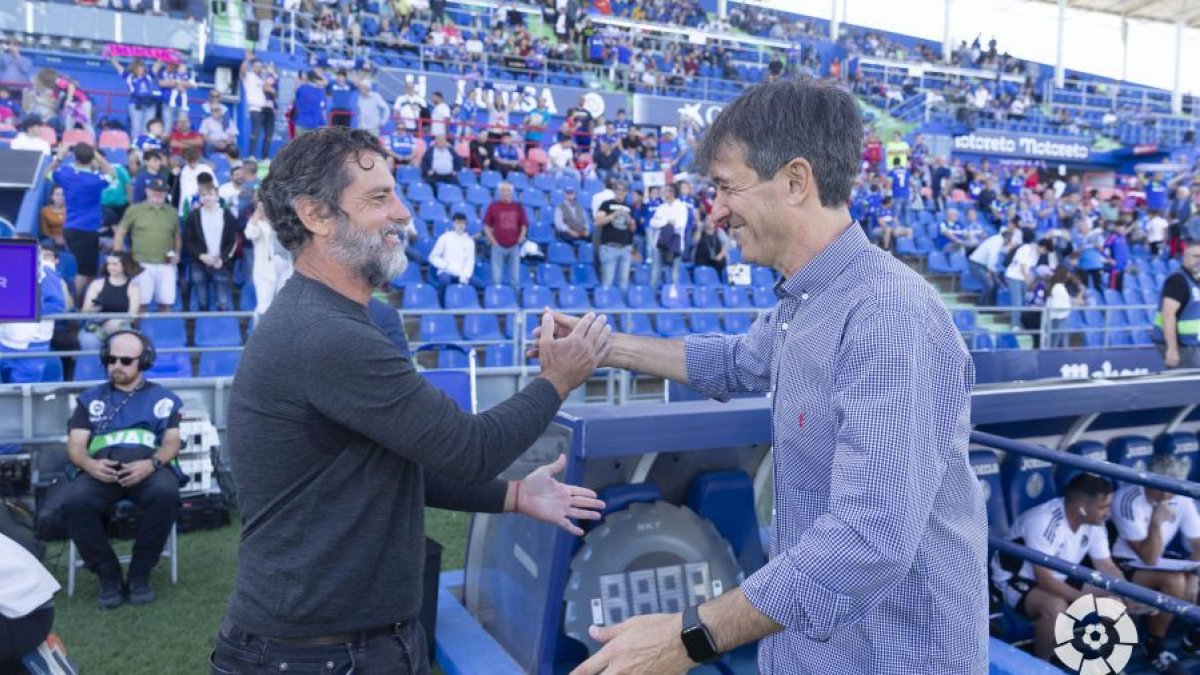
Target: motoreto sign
[[1021, 145]]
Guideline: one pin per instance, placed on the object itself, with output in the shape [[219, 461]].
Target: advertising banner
[[994, 143], [518, 96]]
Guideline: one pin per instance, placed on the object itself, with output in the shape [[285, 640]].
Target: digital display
[[667, 589], [19, 289]]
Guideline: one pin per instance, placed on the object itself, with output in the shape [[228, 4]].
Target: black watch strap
[[696, 639], [156, 462]]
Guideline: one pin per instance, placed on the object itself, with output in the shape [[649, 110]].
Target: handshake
[[570, 349]]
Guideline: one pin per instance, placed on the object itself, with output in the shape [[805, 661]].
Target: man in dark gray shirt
[[331, 433]]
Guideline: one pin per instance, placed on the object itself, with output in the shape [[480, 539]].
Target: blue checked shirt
[[879, 544]]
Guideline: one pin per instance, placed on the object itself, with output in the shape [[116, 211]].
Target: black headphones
[[145, 359]]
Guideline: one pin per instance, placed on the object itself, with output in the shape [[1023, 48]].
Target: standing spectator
[[1179, 214], [14, 67], [52, 216], [1177, 323], [115, 198], [152, 168], [122, 435], [409, 107], [1156, 192], [341, 100], [143, 93], [1021, 272], [507, 157], [615, 220], [1058, 303], [453, 256], [939, 182], [219, 132], [176, 82], [256, 103], [29, 137], [184, 137], [667, 228], [439, 115], [115, 293], [901, 192], [189, 177], [155, 241], [82, 183], [211, 239], [712, 247], [272, 262], [238, 193], [372, 110], [309, 108], [984, 265], [571, 219], [505, 226], [1116, 255], [535, 124], [562, 158], [441, 163], [1156, 233]]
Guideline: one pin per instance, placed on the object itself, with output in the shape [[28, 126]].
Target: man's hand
[[1171, 358], [103, 470], [1161, 514], [563, 325], [544, 498], [569, 359], [644, 644], [135, 472]]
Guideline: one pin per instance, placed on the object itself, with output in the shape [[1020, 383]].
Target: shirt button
[[783, 326], [804, 296]]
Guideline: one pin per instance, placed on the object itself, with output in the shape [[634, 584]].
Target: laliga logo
[[1107, 640]]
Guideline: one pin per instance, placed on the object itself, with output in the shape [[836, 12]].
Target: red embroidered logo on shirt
[[800, 420]]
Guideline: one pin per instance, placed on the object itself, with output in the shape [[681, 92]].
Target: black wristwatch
[[156, 463], [696, 639]]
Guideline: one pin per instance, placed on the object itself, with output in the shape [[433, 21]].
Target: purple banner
[[18, 280]]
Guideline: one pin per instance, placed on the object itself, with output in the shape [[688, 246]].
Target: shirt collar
[[819, 272]]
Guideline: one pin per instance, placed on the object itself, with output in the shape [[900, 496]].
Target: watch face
[[698, 645]]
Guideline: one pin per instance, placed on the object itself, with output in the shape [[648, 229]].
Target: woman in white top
[[26, 610], [1019, 274], [272, 262], [1058, 304]]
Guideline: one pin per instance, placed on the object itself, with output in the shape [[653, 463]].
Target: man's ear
[[801, 183], [313, 214]]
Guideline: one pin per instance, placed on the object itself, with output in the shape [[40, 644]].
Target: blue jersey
[[176, 98], [403, 146], [81, 192], [507, 152], [874, 203], [974, 188], [143, 91], [126, 426], [901, 188], [146, 142], [1156, 195], [341, 96], [621, 127], [1014, 185]]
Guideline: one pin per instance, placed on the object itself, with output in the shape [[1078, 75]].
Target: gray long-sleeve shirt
[[330, 433]]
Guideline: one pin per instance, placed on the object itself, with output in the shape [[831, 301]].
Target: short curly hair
[[313, 165]]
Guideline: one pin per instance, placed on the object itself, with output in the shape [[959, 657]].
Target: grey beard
[[366, 254]]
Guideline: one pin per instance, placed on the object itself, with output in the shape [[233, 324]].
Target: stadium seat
[[172, 364], [1181, 444], [439, 328], [536, 297], [637, 323], [573, 298], [450, 194], [1131, 451], [670, 325], [705, 296], [500, 297], [640, 274], [410, 275], [420, 296], [987, 470], [1007, 341], [560, 253], [982, 342], [451, 358], [673, 296], [165, 332], [419, 193], [584, 274], [541, 233], [482, 327], [461, 296], [737, 296], [88, 369], [704, 275], [409, 175], [551, 276], [640, 297], [1090, 449], [736, 324], [964, 319], [490, 179], [1027, 482], [498, 356], [218, 331], [705, 323], [764, 297], [219, 364], [479, 196]]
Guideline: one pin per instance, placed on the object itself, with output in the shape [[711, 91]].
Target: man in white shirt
[[189, 186], [984, 264], [1156, 232], [562, 158], [1019, 274], [28, 138], [439, 116], [256, 98], [665, 239], [26, 613], [1147, 521], [453, 255], [408, 108], [1069, 528], [219, 132]]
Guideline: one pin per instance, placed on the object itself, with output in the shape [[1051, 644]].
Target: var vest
[[1187, 326]]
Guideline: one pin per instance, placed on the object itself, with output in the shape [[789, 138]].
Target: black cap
[[30, 121], [157, 184]]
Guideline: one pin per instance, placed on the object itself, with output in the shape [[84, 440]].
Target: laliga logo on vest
[[1106, 644]]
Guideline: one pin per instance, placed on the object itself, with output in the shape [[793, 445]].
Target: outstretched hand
[[563, 325], [543, 497]]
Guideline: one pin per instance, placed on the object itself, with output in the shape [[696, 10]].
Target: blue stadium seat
[[585, 252], [737, 296], [673, 296], [173, 364], [500, 297], [1027, 481], [735, 324], [420, 296], [705, 323], [704, 275], [419, 192], [937, 263], [165, 332], [641, 296], [1090, 449], [451, 358], [964, 319], [519, 180], [573, 298], [482, 327], [541, 233], [490, 179], [584, 274], [670, 325], [450, 194], [551, 276], [982, 342], [560, 253], [536, 297], [89, 368], [422, 247], [218, 331], [726, 499], [987, 470], [1131, 451], [219, 364], [764, 297], [1007, 341], [408, 175], [461, 296], [432, 211], [410, 275], [1181, 444], [637, 324], [608, 297], [467, 178], [762, 276], [705, 296], [479, 196], [498, 356], [439, 328]]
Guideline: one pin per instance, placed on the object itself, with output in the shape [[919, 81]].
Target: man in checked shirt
[[878, 554]]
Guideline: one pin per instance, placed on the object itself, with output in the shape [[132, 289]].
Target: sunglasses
[[125, 360]]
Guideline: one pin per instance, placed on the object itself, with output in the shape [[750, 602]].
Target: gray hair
[[777, 122], [314, 165], [1173, 466]]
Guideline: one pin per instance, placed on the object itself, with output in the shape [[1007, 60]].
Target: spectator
[[219, 132], [238, 193], [10, 108], [1069, 528], [188, 180], [535, 124], [1116, 255], [15, 68], [984, 264], [1058, 304], [1147, 520], [143, 93], [51, 218], [153, 137], [176, 81], [453, 255], [1177, 323], [272, 262], [373, 111], [952, 234], [117, 292], [667, 227], [211, 239], [439, 115], [570, 219], [973, 231], [410, 108], [441, 163], [29, 137], [155, 241], [26, 603], [184, 137], [1179, 213], [115, 198], [890, 227], [341, 100], [152, 168], [712, 247], [507, 157], [123, 435], [82, 183], [256, 104], [615, 220], [505, 226], [901, 191], [1020, 274], [403, 147], [1156, 233], [562, 158], [309, 110]]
